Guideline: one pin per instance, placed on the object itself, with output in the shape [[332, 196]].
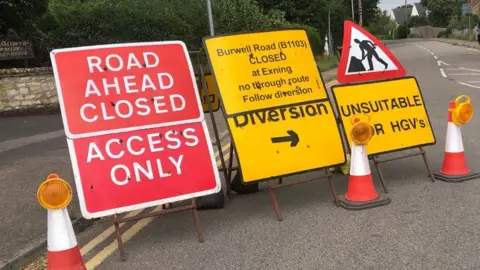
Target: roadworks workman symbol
[[368, 51], [365, 58]]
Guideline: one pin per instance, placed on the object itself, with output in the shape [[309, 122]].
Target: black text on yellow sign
[[262, 70], [212, 93], [286, 140], [396, 109]]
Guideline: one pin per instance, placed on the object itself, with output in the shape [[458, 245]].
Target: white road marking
[[17, 143], [436, 58], [443, 73], [441, 62], [464, 74], [471, 69], [466, 84]]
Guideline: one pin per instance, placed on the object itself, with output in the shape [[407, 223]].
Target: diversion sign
[[396, 109]]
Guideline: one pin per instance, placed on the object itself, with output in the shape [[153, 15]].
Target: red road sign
[[365, 58], [122, 87], [137, 169]]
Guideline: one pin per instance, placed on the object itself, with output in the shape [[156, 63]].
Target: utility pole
[[360, 15], [210, 17], [406, 15], [353, 12]]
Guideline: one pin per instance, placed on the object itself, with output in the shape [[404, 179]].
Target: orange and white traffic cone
[[361, 193], [63, 252], [454, 166]]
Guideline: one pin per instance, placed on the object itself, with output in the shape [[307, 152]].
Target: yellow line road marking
[[128, 234], [105, 234], [331, 83], [224, 148]]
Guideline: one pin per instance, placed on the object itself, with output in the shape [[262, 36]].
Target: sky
[[391, 4]]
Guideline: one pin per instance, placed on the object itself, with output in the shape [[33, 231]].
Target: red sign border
[[113, 131], [89, 215], [342, 77]]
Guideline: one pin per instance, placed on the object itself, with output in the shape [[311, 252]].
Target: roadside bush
[[77, 23], [401, 32]]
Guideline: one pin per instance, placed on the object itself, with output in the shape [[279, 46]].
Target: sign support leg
[[332, 187], [273, 197], [215, 131], [197, 221], [121, 247], [424, 155], [379, 172], [193, 205], [230, 161]]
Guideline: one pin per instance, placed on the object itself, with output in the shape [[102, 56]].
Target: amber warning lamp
[[54, 193], [462, 112], [362, 131]]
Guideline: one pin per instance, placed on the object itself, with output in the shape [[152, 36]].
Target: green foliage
[[416, 21], [463, 22], [401, 32], [442, 11], [70, 23], [382, 25]]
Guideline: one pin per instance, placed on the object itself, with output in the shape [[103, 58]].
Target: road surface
[[427, 225]]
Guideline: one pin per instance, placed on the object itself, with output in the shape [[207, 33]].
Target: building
[[475, 6], [400, 13]]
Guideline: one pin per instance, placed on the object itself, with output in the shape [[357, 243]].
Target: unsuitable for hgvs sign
[[111, 88], [270, 69], [138, 169], [396, 109]]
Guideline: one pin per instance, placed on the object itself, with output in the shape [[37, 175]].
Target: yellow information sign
[[263, 70], [286, 140], [212, 93], [397, 113]]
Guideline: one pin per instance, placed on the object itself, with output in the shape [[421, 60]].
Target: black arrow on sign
[[292, 138]]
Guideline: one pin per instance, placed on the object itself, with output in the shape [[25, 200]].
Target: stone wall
[[26, 90]]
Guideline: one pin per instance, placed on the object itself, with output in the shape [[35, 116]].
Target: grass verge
[[327, 62]]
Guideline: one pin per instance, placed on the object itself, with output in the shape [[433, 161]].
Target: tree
[[382, 25], [442, 11], [20, 17]]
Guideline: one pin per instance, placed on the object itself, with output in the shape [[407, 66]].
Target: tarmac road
[[32, 147], [426, 226]]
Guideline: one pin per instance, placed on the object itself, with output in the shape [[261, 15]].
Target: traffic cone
[[454, 166], [63, 251], [54, 194], [361, 193]]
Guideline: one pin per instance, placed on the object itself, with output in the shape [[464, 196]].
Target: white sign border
[[90, 215], [113, 131]]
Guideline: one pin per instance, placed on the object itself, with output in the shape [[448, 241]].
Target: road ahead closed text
[[112, 88], [270, 69], [397, 111]]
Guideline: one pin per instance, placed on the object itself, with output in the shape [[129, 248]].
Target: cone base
[[456, 179], [69, 259], [454, 164], [381, 200]]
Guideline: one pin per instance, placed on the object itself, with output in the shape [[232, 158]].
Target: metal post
[[329, 35], [353, 12], [406, 15], [210, 17], [360, 15]]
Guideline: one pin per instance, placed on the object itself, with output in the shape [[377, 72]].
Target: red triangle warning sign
[[365, 58]]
